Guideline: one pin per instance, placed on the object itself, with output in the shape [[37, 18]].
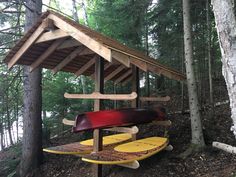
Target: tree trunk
[[226, 29], [8, 119], [196, 125], [32, 99], [209, 59]]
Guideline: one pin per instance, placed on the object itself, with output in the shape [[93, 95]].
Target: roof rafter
[[86, 66], [123, 76], [114, 73], [82, 37], [44, 56], [68, 59], [28, 43]]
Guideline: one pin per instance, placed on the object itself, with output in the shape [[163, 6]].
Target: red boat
[[117, 117]]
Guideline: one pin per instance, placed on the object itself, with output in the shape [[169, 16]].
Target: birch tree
[[32, 99], [226, 29], [196, 126]]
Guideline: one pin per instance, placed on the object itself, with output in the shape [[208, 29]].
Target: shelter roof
[[58, 43]]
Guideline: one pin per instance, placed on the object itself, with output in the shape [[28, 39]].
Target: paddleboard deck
[[128, 152], [86, 147]]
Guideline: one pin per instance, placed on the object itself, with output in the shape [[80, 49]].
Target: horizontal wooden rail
[[165, 98], [68, 122], [97, 95], [131, 130]]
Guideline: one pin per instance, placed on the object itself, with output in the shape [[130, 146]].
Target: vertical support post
[[148, 86], [114, 91], [97, 134], [135, 88]]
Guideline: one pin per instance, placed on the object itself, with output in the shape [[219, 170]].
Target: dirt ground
[[210, 162]]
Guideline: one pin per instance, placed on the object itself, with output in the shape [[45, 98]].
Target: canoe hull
[[118, 117]]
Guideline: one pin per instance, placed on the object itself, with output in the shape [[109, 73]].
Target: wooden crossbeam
[[122, 58], [68, 59], [86, 66], [69, 43], [114, 73], [97, 95], [51, 35], [82, 37], [131, 130], [165, 98], [44, 56], [122, 77], [27, 44]]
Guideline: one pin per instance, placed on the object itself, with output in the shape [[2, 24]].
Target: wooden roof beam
[[69, 43], [44, 56], [86, 66], [51, 35], [68, 59], [82, 37], [122, 77], [114, 73], [122, 58], [28, 43]]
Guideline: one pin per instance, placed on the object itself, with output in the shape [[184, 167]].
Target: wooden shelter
[[60, 44]]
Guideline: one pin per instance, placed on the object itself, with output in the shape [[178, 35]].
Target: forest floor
[[210, 162]]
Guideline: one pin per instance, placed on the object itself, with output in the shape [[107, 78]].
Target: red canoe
[[117, 117]]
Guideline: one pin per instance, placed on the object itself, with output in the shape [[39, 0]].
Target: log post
[[97, 134]]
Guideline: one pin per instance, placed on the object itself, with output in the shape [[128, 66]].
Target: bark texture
[[196, 125], [226, 29], [32, 122]]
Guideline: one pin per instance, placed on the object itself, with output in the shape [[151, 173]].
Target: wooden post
[[114, 91], [135, 88], [97, 134]]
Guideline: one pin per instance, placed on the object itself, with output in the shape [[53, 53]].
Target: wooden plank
[[114, 73], [165, 98], [131, 130], [68, 122], [44, 56], [69, 43], [87, 51], [122, 77], [68, 59], [51, 35], [140, 64], [86, 66], [27, 44], [82, 37], [97, 95], [122, 58]]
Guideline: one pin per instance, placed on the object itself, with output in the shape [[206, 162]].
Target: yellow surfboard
[[86, 147], [128, 152]]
